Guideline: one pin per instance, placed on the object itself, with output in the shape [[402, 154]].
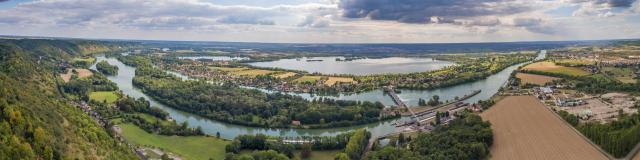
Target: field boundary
[[605, 153]]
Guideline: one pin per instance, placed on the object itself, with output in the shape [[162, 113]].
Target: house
[[296, 123], [546, 90]]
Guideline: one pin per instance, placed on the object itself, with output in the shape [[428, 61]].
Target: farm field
[[228, 69], [534, 79], [252, 72], [285, 75], [574, 62], [524, 129], [189, 148], [333, 80], [108, 96], [310, 79], [551, 67], [82, 73], [625, 75]]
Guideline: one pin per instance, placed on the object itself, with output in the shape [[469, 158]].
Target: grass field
[[88, 59], [109, 96], [333, 80], [524, 129], [189, 148], [624, 75], [551, 67], [534, 79], [285, 75], [574, 62], [320, 155], [310, 79]]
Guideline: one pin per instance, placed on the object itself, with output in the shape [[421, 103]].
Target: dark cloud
[[617, 3], [428, 11], [3, 1], [610, 3], [535, 25]]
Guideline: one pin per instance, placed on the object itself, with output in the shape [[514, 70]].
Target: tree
[[434, 101], [305, 150], [342, 156], [165, 157], [401, 139]]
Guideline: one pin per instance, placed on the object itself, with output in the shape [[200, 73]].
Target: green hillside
[[36, 121]]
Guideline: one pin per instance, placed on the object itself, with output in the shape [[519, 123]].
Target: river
[[489, 87]]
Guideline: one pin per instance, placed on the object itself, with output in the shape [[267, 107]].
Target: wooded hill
[[36, 121]]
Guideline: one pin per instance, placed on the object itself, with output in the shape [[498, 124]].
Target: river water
[[488, 86], [366, 66]]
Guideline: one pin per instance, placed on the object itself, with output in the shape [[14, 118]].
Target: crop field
[[252, 72], [228, 69], [309, 79], [574, 62], [82, 73], [108, 96], [333, 80], [534, 79], [190, 148], [285, 75], [524, 129], [624, 75], [551, 67]]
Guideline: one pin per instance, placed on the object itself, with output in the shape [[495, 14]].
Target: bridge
[[394, 96]]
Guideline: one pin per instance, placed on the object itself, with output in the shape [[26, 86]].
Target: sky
[[325, 21]]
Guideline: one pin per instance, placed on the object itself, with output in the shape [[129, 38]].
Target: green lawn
[[88, 59], [574, 71], [109, 96], [189, 148], [625, 75], [320, 155]]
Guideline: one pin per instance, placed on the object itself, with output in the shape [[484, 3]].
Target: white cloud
[[321, 21]]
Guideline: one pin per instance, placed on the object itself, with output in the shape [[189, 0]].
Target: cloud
[[429, 11], [3, 1], [536, 25], [315, 22], [149, 14]]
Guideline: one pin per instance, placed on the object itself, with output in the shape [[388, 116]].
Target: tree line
[[466, 137], [248, 106], [106, 68]]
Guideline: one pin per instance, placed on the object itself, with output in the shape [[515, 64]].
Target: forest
[[106, 68], [467, 137], [251, 107], [617, 138], [30, 101]]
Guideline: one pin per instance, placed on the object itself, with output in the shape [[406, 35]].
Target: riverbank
[[489, 87]]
